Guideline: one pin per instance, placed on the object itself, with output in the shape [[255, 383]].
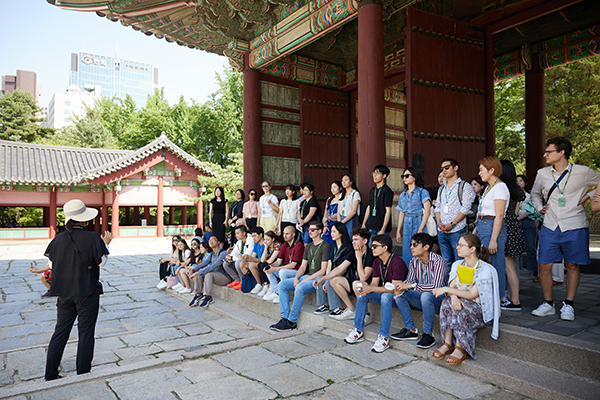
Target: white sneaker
[[368, 319], [354, 337], [567, 312], [544, 310], [267, 293], [162, 284], [177, 287], [276, 299], [257, 289], [381, 344], [345, 315], [186, 291], [264, 290], [181, 289], [271, 296]]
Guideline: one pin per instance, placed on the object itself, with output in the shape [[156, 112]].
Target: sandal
[[438, 355], [453, 360]]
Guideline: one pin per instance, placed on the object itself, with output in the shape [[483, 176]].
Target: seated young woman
[[197, 255], [183, 252], [166, 262], [473, 301], [269, 256]]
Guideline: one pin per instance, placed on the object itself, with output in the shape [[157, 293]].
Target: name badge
[[561, 201], [446, 209], [374, 211]]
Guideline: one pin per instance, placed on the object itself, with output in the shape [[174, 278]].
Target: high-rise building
[[25, 81], [65, 106], [116, 77]]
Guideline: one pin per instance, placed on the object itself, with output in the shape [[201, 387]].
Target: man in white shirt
[[559, 192], [243, 246]]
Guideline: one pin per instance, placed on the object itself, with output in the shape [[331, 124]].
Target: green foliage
[[18, 120], [21, 216], [88, 131], [230, 178], [509, 105], [573, 108]]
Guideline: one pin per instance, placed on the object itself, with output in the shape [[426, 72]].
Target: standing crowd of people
[[462, 246]]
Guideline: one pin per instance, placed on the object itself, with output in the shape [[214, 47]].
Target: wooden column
[[46, 216], [97, 226], [127, 215], [115, 213], [104, 213], [147, 215], [252, 134], [535, 122], [183, 216], [160, 224], [136, 216], [199, 217], [52, 213], [490, 118], [371, 118], [171, 215]]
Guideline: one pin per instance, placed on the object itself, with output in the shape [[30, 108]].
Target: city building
[[117, 78], [25, 81], [65, 106]]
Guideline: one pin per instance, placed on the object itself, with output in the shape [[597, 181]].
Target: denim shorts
[[573, 246]]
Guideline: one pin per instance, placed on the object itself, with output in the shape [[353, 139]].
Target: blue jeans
[[530, 232], [332, 299], [305, 236], [302, 289], [282, 274], [411, 226], [175, 268], [426, 301], [448, 242], [385, 300], [484, 231]]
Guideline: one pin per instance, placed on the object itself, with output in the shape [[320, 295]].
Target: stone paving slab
[[343, 391], [191, 343], [319, 341], [287, 379], [361, 354], [11, 320], [396, 386], [332, 368], [152, 336], [79, 391], [203, 369], [248, 359], [227, 388], [144, 384], [289, 348]]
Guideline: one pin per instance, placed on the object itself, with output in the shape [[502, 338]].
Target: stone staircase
[[537, 364]]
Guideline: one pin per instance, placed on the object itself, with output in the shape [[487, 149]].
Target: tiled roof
[[26, 163]]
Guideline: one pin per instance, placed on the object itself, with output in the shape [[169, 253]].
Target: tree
[[18, 120], [509, 105], [573, 108], [88, 131]]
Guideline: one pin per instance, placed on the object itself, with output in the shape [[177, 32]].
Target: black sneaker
[[426, 341], [322, 309], [279, 326], [336, 311], [47, 294], [405, 334], [196, 300], [207, 300], [510, 306], [286, 325]]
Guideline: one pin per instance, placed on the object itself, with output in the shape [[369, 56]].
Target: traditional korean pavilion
[[336, 86], [159, 175]]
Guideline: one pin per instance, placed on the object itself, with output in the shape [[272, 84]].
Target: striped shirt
[[433, 274]]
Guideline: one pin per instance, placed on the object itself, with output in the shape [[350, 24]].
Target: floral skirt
[[464, 323]]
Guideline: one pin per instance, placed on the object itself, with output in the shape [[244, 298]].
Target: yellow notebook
[[466, 274]]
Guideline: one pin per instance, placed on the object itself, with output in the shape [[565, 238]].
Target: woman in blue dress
[[331, 211], [414, 205]]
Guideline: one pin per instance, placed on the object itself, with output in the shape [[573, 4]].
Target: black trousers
[[85, 309]]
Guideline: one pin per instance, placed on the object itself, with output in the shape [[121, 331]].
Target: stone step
[[527, 361]]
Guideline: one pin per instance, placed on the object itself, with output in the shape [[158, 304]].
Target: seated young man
[[314, 265], [387, 268], [244, 246], [289, 260], [212, 273], [427, 271], [250, 262]]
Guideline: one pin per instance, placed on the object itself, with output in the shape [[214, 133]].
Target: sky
[[39, 37]]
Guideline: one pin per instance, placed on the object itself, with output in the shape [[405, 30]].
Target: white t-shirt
[[265, 208], [345, 205], [498, 192], [290, 210]]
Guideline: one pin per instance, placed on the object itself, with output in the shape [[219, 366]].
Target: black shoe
[[510, 306], [279, 326], [405, 334], [207, 300], [196, 300], [284, 325], [426, 341], [322, 309], [336, 311], [56, 377], [47, 294]]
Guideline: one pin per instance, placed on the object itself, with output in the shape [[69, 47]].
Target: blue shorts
[[573, 246]]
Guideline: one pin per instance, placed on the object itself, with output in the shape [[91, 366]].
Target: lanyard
[[565, 185], [291, 254], [234, 206], [387, 265], [304, 203], [243, 245], [336, 252], [424, 274], [480, 205], [312, 254], [376, 195], [448, 193], [349, 196], [289, 207]]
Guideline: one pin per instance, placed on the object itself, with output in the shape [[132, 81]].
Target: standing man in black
[[76, 257], [379, 211]]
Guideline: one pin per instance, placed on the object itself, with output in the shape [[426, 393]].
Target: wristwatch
[[414, 285], [453, 224]]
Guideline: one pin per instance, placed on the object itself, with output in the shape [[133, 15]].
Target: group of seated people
[[466, 295]]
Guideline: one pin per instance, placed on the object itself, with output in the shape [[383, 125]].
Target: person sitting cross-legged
[[287, 264], [314, 265], [427, 271], [387, 268], [210, 272]]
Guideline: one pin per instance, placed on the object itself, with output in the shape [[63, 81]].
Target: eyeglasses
[[313, 229], [406, 176], [550, 151], [375, 245], [447, 167], [414, 244], [462, 245]]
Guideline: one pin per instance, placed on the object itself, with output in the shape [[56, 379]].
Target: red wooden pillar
[[490, 118], [127, 215], [535, 122], [183, 216], [115, 213], [46, 216], [104, 213], [52, 213], [371, 119], [171, 215], [136, 216], [199, 211], [147, 215], [252, 134], [97, 227], [160, 224]]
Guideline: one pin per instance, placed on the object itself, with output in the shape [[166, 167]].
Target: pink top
[[251, 211]]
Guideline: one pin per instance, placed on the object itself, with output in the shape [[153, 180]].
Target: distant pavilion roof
[[27, 163]]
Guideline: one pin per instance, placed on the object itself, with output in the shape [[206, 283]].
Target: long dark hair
[[341, 228], [173, 243], [352, 185], [222, 194], [276, 238], [339, 185], [243, 194], [524, 177], [293, 189], [473, 241], [417, 175], [509, 177], [206, 247], [181, 254]]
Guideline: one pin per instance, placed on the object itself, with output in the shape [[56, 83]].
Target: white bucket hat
[[77, 211]]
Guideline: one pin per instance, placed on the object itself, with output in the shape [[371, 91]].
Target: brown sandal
[[438, 355], [453, 360]]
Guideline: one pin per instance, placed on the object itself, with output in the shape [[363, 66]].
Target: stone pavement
[[150, 344]]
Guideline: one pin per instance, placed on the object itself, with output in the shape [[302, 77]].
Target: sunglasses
[[406, 176], [265, 185], [375, 245], [447, 167], [313, 229], [251, 194], [414, 244]]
